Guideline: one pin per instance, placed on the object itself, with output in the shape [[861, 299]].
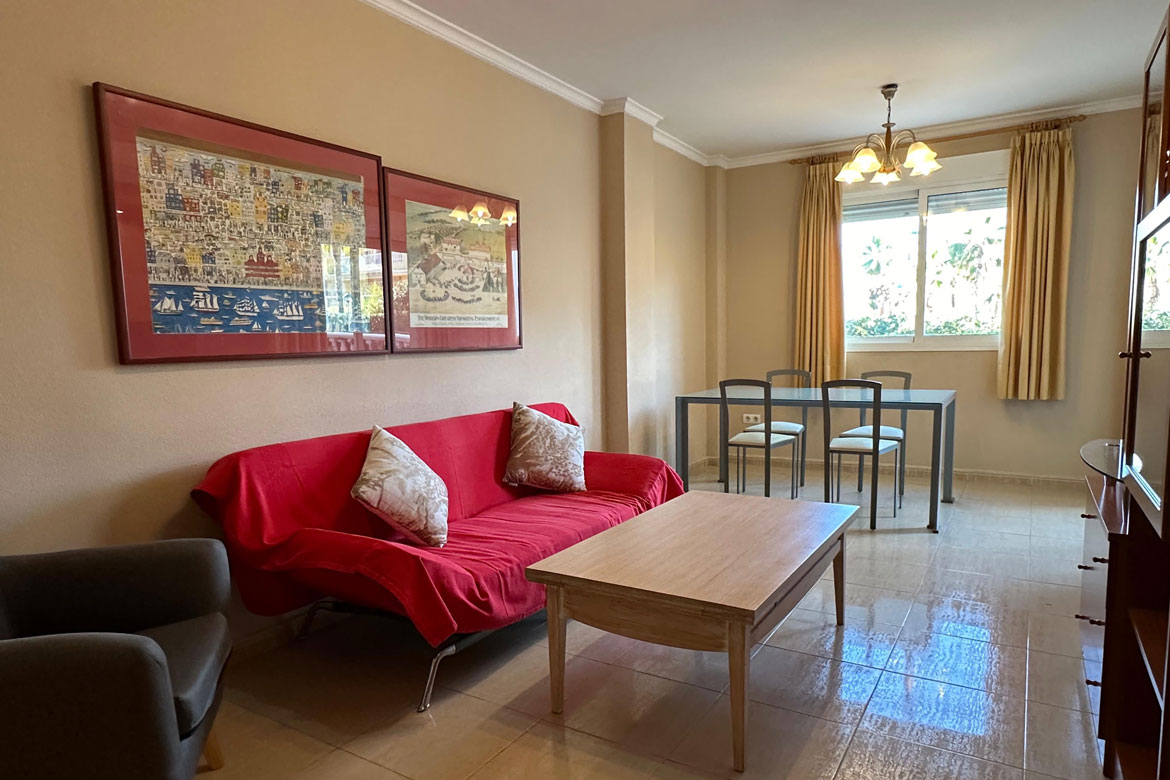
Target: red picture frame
[[454, 259], [231, 240]]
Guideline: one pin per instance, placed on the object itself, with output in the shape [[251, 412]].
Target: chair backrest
[[727, 400], [880, 374], [802, 379], [862, 385]]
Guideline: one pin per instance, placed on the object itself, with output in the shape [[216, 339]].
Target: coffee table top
[[722, 553]]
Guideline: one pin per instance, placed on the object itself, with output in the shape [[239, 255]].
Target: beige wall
[[655, 257], [679, 289], [94, 453], [1015, 437]]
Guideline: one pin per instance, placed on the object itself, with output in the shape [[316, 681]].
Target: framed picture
[[231, 240], [455, 266]]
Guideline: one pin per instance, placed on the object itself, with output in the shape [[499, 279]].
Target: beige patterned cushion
[[397, 486], [546, 453]]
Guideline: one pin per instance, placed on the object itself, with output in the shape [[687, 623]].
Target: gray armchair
[[111, 660]]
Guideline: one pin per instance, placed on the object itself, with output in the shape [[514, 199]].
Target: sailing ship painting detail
[[457, 273], [180, 309], [244, 246]]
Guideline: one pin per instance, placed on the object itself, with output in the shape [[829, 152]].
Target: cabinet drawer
[[1094, 578]]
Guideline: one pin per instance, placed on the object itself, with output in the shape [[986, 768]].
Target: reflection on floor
[[960, 659]]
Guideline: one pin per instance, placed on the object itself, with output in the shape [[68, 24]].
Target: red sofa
[[294, 535]]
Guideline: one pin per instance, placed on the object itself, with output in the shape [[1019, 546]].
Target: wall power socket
[[752, 419]]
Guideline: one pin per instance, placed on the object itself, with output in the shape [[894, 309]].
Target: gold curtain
[[1035, 266], [820, 317]]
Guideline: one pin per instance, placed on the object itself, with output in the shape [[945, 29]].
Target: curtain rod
[[1045, 124]]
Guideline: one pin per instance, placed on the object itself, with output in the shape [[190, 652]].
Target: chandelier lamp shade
[[480, 214], [878, 154]]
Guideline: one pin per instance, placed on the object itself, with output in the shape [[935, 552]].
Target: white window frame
[[983, 171], [1155, 339]]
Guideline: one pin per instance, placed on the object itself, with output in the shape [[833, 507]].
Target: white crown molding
[[632, 108], [471, 43], [950, 128], [682, 147]]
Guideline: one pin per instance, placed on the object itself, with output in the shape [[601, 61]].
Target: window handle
[[1145, 353]]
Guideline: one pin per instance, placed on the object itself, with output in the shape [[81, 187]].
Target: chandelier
[[877, 154]]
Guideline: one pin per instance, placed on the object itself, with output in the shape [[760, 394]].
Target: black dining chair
[[887, 431], [802, 379], [746, 440], [874, 446]]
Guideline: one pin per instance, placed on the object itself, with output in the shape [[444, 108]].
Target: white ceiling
[[746, 77]]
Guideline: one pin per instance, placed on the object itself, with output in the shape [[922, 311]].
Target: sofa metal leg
[[314, 608], [462, 643], [425, 704]]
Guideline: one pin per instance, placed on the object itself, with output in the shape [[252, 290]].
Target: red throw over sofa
[[294, 535]]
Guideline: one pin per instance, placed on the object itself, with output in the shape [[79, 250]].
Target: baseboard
[[912, 471]]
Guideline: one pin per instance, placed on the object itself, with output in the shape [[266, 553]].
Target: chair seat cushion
[[854, 444], [887, 432], [196, 652], [756, 439], [779, 426]]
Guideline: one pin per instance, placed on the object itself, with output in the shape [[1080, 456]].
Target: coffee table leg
[[556, 647], [839, 581], [739, 660]]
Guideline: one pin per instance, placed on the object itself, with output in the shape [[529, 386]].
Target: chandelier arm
[[904, 136]]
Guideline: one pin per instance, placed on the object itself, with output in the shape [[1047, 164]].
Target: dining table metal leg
[[936, 446], [682, 439], [948, 475]]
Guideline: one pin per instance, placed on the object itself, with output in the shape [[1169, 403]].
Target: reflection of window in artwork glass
[[242, 246]]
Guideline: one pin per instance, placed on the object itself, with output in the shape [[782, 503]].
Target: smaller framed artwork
[[455, 266], [231, 240]]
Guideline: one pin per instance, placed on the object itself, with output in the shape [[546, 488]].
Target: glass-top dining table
[[940, 404]]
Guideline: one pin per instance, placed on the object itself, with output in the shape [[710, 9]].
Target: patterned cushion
[[546, 453], [397, 486]]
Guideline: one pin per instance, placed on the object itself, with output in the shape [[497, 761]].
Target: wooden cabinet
[[1125, 591], [1126, 566]]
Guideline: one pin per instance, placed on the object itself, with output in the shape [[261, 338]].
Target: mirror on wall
[[1154, 141], [1153, 385]]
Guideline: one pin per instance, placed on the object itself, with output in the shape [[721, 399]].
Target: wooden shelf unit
[[1136, 762], [1125, 614], [1125, 573], [1150, 625]]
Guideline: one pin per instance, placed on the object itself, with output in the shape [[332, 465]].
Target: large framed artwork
[[455, 266], [232, 240]]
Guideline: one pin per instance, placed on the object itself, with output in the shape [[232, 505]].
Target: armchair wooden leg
[[212, 753]]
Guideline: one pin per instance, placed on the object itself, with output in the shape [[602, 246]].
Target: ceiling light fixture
[[876, 154]]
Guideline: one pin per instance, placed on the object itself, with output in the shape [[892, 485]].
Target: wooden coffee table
[[706, 571]]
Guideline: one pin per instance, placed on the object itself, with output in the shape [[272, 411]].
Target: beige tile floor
[[959, 659]]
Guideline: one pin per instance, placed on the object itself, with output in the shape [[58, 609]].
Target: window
[[923, 268]]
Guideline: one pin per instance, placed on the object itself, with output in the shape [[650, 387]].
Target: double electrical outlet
[[752, 419]]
